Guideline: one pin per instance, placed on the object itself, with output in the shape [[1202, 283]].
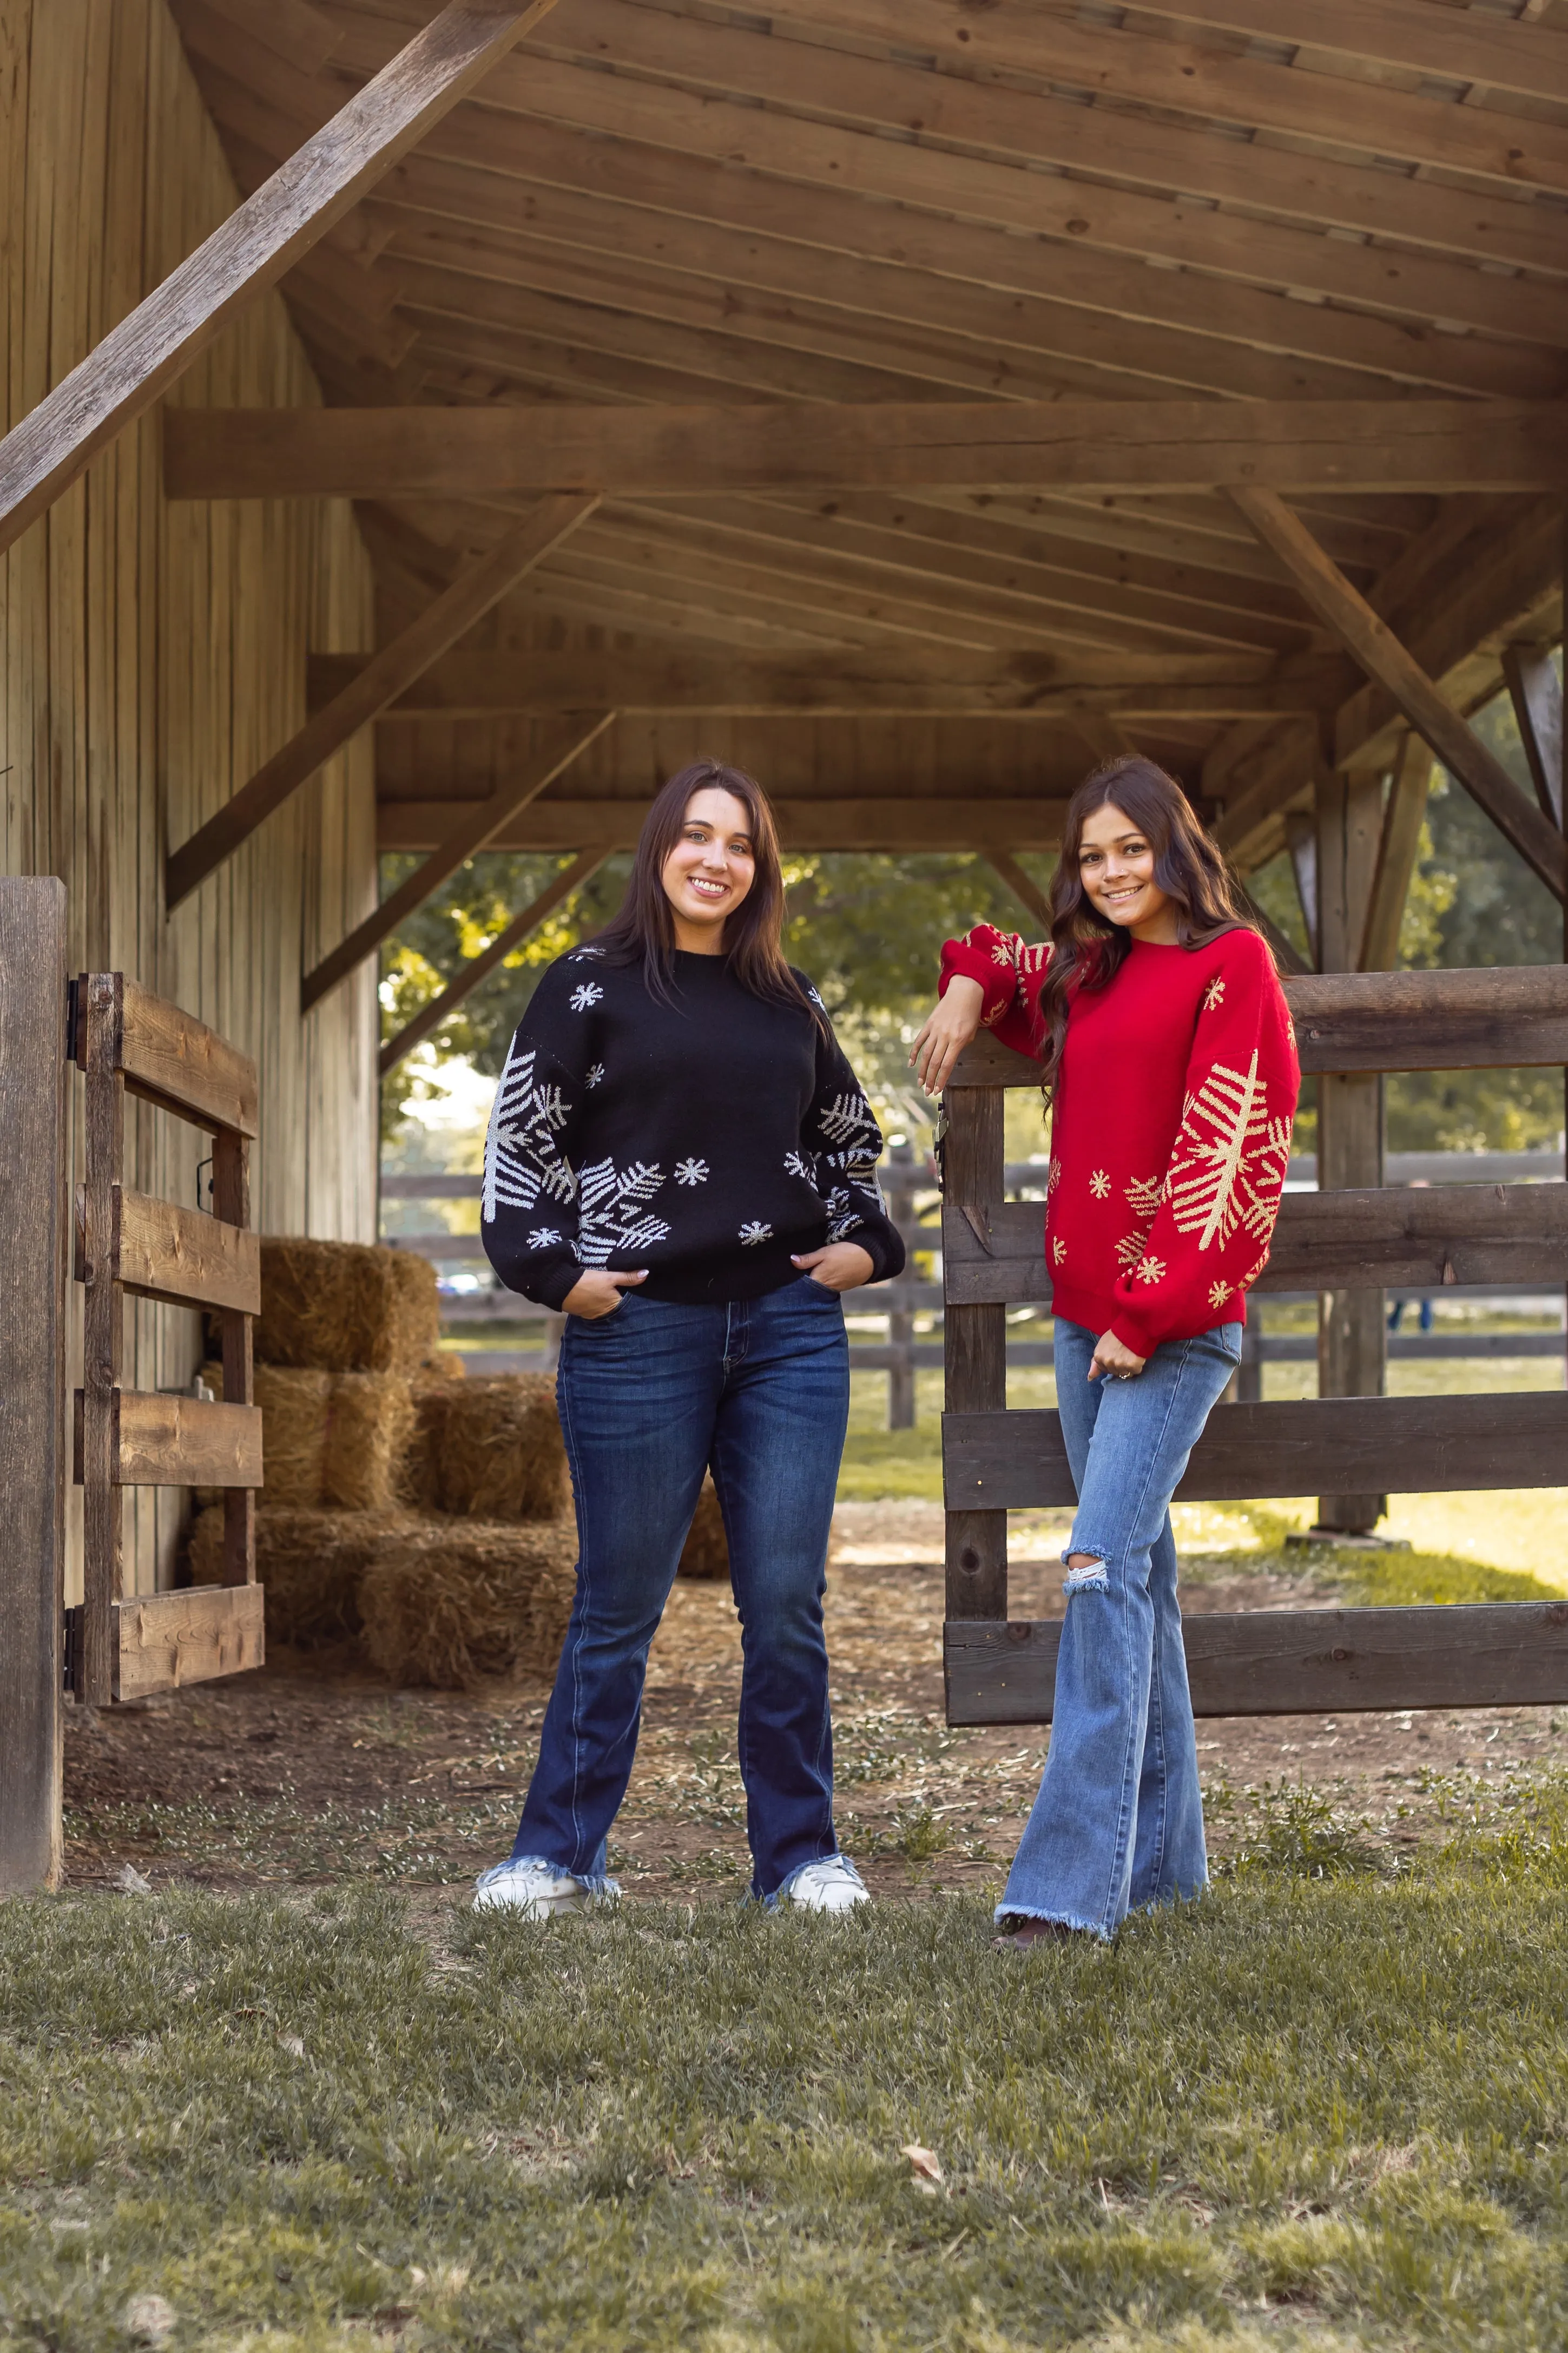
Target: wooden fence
[[1002, 1671]]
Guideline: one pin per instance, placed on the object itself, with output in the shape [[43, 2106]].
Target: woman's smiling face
[[1116, 865], [710, 869]]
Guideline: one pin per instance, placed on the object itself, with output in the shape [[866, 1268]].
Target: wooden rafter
[[951, 821], [142, 356], [1536, 694]]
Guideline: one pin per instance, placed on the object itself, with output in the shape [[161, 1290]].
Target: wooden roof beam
[[957, 821], [1371, 644], [384, 676], [1431, 445], [142, 355]]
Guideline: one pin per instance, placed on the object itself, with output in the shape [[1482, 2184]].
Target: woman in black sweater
[[681, 1158]]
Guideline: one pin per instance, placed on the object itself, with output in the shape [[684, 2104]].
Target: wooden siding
[[152, 656]]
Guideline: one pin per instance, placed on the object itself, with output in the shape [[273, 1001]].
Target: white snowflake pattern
[[845, 1120], [1150, 1269], [691, 1172], [586, 993], [1213, 995], [543, 1238], [613, 1214], [1229, 1164], [755, 1231], [596, 1074], [1144, 1195], [1058, 1250], [524, 1158], [1099, 1184], [797, 1165]]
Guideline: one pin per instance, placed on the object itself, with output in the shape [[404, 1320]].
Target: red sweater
[[1171, 1128]]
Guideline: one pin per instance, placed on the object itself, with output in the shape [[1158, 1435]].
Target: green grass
[[1323, 2107]]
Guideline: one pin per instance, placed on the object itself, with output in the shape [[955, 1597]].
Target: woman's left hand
[[1112, 1356], [841, 1266]]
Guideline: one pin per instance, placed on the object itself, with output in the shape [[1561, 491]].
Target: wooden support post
[[1536, 699], [974, 1349], [1352, 1337], [35, 1188], [1366, 637], [158, 340], [1301, 837], [901, 1320], [381, 680], [414, 1032], [231, 1200], [1397, 846], [563, 745], [100, 1018], [1023, 886]]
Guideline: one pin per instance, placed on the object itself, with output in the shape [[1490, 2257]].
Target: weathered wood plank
[[1016, 1462], [904, 823], [169, 1058], [1537, 698], [1368, 637], [101, 1012], [384, 677], [1504, 1017], [178, 1441], [168, 1640], [1292, 1662], [231, 1201], [185, 1257], [975, 1363], [146, 351], [400, 452], [33, 1185]]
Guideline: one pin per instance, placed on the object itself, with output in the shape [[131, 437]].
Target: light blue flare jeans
[[1119, 1820]]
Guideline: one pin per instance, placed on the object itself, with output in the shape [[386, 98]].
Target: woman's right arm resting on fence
[[529, 1208]]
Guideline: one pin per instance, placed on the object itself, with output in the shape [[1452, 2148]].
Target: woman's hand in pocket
[[955, 1022], [840, 1266], [598, 1293]]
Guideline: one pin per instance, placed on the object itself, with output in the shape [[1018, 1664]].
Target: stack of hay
[[429, 1516]]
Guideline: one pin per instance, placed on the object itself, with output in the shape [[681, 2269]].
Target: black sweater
[[705, 1139]]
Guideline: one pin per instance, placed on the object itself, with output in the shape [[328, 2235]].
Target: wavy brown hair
[[643, 931], [1088, 951]]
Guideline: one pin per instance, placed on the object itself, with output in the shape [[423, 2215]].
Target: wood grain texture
[[178, 1441], [974, 1346], [381, 678], [940, 821], [33, 1185], [172, 1060], [231, 1202], [169, 1640], [1503, 1016], [100, 1030], [1536, 694], [163, 333], [1016, 1462], [1431, 445], [1293, 1661], [185, 1257]]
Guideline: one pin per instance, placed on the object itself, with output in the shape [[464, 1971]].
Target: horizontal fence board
[[1016, 1462], [1503, 1016], [176, 1061], [1388, 1236], [1291, 1662], [185, 1257], [181, 1441], [167, 1639]]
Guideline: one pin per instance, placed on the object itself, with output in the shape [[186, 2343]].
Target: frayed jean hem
[[1006, 1911]]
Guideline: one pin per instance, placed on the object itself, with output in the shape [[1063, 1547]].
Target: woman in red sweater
[[1169, 1062]]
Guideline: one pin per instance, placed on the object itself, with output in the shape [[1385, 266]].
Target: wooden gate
[[1275, 1662]]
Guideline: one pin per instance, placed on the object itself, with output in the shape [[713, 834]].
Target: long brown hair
[[643, 931], [1087, 950]]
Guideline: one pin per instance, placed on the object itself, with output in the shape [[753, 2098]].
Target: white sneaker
[[833, 1885], [534, 1891]]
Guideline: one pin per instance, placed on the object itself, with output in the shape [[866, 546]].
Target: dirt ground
[[313, 1769]]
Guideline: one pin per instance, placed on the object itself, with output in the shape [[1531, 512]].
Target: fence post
[[975, 1348], [34, 1175], [901, 1320]]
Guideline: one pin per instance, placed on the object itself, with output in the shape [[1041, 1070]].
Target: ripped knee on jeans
[[1086, 1574]]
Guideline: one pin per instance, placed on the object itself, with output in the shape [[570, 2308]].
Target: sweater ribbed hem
[[1101, 1314]]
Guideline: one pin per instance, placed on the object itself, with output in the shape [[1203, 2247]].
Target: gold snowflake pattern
[[1218, 1293], [1150, 1269], [1250, 1277], [1291, 1031], [1099, 1184], [1053, 1179], [1130, 1248], [1058, 1250], [1213, 995], [1144, 1195], [1228, 1166]]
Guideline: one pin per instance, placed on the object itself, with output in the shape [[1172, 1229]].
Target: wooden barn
[[426, 427]]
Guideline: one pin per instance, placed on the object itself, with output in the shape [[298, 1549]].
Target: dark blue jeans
[[651, 1396]]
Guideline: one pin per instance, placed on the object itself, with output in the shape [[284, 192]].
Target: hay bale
[[294, 1407], [344, 1307], [369, 1432], [492, 1449], [310, 1563], [706, 1552], [453, 1601]]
